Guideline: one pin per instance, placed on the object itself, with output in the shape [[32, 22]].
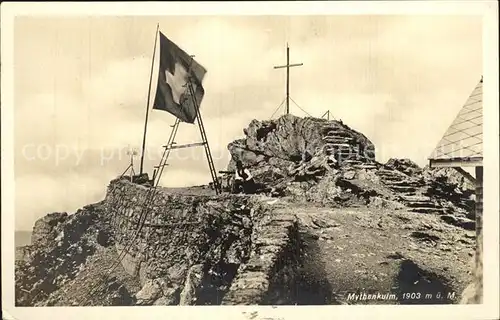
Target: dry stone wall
[[191, 243], [272, 264], [161, 231]]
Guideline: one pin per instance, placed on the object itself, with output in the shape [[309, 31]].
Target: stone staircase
[[341, 144], [409, 191], [364, 166], [356, 164], [422, 204]]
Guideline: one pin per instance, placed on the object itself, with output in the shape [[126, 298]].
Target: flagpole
[[147, 103]]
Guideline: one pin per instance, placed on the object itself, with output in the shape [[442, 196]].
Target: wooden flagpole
[[147, 103]]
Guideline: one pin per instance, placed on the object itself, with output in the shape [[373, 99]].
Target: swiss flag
[[172, 93]]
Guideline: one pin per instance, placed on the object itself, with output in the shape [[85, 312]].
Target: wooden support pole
[[147, 102], [479, 234], [479, 199]]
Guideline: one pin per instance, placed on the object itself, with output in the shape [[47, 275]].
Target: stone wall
[[271, 269], [197, 243]]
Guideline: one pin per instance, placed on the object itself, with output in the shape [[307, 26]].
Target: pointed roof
[[463, 141]]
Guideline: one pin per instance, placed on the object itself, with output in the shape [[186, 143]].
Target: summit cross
[[287, 66]]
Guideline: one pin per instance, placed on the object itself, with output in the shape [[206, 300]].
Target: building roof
[[462, 143]]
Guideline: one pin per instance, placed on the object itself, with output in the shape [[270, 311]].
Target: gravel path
[[365, 251]]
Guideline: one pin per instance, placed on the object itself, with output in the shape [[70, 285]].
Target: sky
[[81, 88]]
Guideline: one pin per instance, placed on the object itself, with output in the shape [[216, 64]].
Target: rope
[[277, 108], [301, 108], [330, 115]]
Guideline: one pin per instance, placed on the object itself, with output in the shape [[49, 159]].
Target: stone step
[[352, 154], [416, 198], [392, 179], [349, 162], [331, 141], [405, 183], [465, 223], [343, 162], [339, 133], [343, 158], [366, 166], [340, 145], [385, 172], [427, 210], [331, 137], [340, 154], [344, 150], [356, 162], [344, 155], [418, 204], [402, 188]]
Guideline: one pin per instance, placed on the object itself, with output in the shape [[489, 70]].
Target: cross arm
[[291, 65]]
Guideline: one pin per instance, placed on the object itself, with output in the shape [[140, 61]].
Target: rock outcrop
[[61, 245], [45, 229], [328, 163], [275, 149]]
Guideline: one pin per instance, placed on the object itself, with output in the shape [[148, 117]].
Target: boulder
[[404, 165], [448, 176], [193, 281], [45, 231], [149, 293]]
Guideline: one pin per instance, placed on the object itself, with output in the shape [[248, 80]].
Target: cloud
[[37, 195], [234, 55]]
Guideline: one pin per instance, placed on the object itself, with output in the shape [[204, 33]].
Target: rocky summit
[[328, 224]]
